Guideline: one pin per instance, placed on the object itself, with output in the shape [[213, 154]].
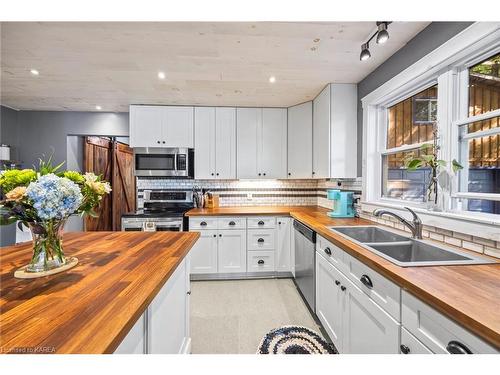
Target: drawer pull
[[337, 282], [203, 223], [260, 222], [455, 347], [215, 235], [232, 223], [343, 288], [366, 281], [328, 251], [260, 262], [260, 240], [404, 349]]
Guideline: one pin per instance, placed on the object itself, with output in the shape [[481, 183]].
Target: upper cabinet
[[161, 126], [335, 132], [300, 141], [215, 143], [261, 142]]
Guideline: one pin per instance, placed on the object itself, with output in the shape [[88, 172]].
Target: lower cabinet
[[204, 253], [164, 326], [411, 345], [284, 244], [354, 322], [232, 251]]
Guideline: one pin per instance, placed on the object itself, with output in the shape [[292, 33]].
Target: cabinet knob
[[264, 174], [289, 174], [337, 282], [220, 235], [215, 235], [163, 142], [203, 223], [260, 222], [456, 347], [260, 262], [314, 172], [328, 251], [260, 240], [232, 223], [404, 349], [343, 288], [217, 174], [158, 142], [188, 292], [212, 174], [259, 174], [366, 281]]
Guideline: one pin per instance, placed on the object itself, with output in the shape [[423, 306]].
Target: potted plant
[[428, 158], [42, 200]]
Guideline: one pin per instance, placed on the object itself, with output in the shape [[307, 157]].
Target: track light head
[[382, 33], [365, 52]]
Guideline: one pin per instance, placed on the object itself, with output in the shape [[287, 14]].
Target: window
[[410, 123], [479, 139]]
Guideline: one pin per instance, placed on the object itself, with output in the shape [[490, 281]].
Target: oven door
[[168, 162]]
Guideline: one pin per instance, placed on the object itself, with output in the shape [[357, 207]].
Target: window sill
[[487, 225]]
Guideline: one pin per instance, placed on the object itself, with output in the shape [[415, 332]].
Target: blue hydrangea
[[54, 197]]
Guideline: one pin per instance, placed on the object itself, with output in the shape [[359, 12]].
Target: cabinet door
[[272, 162], [178, 128], [204, 142], [249, 125], [232, 251], [321, 134], [134, 342], [168, 326], [300, 134], [225, 151], [329, 300], [283, 244], [204, 253], [146, 124], [367, 329]]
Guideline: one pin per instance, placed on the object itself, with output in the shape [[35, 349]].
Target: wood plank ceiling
[[114, 64]]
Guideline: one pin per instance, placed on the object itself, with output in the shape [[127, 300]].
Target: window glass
[[484, 86], [411, 121]]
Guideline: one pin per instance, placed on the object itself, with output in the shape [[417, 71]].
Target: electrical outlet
[[249, 196]]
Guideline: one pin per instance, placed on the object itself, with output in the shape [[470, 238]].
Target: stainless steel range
[[163, 211]]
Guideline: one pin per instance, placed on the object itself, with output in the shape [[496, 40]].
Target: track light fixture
[[382, 36]]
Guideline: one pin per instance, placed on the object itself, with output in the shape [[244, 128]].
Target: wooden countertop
[[89, 308], [470, 295]]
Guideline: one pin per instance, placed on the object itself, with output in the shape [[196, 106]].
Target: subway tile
[[472, 246], [483, 241], [492, 251], [453, 241], [436, 236], [462, 236], [444, 232]]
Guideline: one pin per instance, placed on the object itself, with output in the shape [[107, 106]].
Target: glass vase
[[433, 196], [48, 251]]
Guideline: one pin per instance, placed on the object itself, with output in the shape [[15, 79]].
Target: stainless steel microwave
[[164, 162]]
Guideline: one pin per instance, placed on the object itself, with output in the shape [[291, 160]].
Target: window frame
[[445, 65]]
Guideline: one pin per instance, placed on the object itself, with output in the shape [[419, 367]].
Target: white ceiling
[[113, 65]]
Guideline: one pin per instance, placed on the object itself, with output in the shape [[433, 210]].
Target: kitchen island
[[92, 307]]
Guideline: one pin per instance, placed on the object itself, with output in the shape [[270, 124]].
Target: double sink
[[405, 251]]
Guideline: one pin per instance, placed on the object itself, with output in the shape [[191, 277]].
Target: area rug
[[294, 340]]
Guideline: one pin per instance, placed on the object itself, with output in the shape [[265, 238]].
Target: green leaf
[[425, 146], [428, 158], [441, 163], [456, 166], [414, 164]]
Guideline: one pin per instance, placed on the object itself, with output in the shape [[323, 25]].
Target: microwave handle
[[176, 168]]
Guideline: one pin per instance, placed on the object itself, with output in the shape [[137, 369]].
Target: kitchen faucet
[[415, 226]]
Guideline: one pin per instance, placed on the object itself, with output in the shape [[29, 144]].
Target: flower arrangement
[[42, 200]]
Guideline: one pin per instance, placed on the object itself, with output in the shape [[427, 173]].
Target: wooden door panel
[[122, 183]]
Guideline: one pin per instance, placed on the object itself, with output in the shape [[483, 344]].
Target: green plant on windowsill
[[428, 158]]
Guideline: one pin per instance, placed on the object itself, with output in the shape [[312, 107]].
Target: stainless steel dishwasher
[[305, 276]]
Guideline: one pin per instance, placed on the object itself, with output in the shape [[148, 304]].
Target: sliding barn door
[[98, 159], [123, 183]]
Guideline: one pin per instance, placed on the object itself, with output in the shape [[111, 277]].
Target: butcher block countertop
[[91, 307], [470, 295]]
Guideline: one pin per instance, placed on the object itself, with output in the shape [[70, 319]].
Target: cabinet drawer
[[261, 239], [260, 261], [384, 292], [332, 253], [410, 344], [200, 223], [437, 332], [261, 222], [232, 222]]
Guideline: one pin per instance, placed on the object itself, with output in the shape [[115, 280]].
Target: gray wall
[[44, 132], [424, 42], [9, 129]]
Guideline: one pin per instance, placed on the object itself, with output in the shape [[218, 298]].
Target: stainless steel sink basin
[[370, 234], [407, 252]]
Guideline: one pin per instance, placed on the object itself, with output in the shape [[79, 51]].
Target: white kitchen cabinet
[[248, 132], [204, 253], [273, 157], [354, 322], [161, 126], [215, 143], [260, 261], [411, 345], [335, 132], [300, 141], [168, 315], [329, 300], [283, 244], [261, 142], [232, 251], [135, 341]]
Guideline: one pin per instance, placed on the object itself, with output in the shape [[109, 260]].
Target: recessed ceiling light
[[34, 72], [98, 107], [272, 79], [161, 75]]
